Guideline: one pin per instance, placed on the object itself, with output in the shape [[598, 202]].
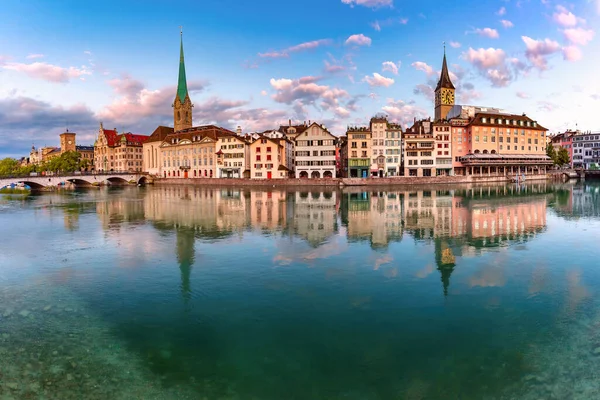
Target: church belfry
[[182, 106], [444, 93]]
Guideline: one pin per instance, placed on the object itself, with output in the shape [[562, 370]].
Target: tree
[[9, 166], [562, 157], [550, 152]]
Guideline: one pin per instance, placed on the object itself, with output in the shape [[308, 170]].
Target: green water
[[201, 293]]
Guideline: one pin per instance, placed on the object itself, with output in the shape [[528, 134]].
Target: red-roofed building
[[118, 152]]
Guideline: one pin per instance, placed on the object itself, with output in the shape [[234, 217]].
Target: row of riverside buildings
[[459, 140], [583, 148]]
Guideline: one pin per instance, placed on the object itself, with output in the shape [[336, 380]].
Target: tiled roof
[[111, 136], [478, 120], [160, 133], [84, 148], [134, 139], [211, 131]]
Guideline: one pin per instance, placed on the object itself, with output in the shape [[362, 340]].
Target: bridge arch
[[80, 182], [117, 180], [32, 185], [142, 181]]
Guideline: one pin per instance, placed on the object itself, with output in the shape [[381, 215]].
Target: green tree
[[562, 157], [9, 166], [550, 152]]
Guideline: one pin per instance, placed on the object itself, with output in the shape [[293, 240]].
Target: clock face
[[448, 97], [70, 142]]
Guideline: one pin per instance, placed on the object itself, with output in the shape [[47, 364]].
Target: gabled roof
[[306, 131], [111, 136], [134, 139], [478, 120], [211, 132]]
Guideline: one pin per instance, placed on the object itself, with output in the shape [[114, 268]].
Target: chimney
[[304, 123], [309, 122], [239, 130], [290, 122]]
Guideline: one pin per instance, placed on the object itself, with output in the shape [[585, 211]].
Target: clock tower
[[444, 93], [182, 106], [67, 142]]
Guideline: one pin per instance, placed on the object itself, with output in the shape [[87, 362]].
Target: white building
[[393, 149], [315, 153], [233, 157]]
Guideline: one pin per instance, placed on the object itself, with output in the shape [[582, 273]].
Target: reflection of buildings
[[185, 258], [113, 210], [315, 215], [373, 216], [268, 209]]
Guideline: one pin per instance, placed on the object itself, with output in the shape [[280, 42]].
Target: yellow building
[[268, 158]]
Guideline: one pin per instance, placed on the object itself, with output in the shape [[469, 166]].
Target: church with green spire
[[182, 106]]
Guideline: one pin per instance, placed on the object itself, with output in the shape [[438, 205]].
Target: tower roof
[[182, 91], [444, 81]]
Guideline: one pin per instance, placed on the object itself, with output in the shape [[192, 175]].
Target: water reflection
[[247, 293]]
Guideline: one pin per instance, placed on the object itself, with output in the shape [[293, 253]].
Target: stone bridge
[[77, 180]]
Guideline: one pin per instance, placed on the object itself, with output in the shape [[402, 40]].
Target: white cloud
[[359, 40], [506, 23], [579, 36], [263, 93], [421, 66], [34, 56], [491, 64], [369, 3], [523, 95], [501, 11], [376, 26], [455, 45], [49, 72], [390, 66], [538, 51], [378, 80]]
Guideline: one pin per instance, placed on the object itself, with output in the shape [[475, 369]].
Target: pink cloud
[[402, 112], [285, 53], [491, 64], [455, 45], [523, 95], [501, 11], [487, 32], [48, 72], [538, 51], [572, 53], [359, 40], [333, 68], [421, 66], [564, 17], [378, 80], [34, 56], [506, 23], [579, 36], [369, 3]]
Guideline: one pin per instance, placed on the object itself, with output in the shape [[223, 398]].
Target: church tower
[[182, 106], [444, 93]]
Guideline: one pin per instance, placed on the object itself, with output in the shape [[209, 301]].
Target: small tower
[[182, 106], [444, 93], [67, 142]]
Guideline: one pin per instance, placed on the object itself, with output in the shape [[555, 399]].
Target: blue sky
[[259, 63]]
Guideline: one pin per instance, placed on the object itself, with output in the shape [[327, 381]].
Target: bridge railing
[[69, 174]]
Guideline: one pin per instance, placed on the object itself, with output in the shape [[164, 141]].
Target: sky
[[257, 64]]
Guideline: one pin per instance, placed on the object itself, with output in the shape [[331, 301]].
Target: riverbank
[[395, 181]]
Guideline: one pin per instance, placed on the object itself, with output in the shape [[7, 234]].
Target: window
[[268, 149]]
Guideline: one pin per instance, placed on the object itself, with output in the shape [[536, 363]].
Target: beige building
[[114, 152], [315, 153], [268, 158], [393, 149], [356, 152], [378, 126]]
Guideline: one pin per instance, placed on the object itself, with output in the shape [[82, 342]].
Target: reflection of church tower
[[182, 106], [185, 258], [444, 93], [445, 261]]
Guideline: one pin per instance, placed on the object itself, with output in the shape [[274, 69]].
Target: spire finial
[[181, 30], [444, 43]]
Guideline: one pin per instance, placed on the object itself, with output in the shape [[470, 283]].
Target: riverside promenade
[[395, 181]]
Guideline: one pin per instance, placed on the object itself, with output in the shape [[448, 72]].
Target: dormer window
[[484, 120]]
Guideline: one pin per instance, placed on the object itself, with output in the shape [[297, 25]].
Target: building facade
[[233, 157], [393, 150], [586, 150], [357, 151], [419, 144], [114, 152], [315, 151], [378, 126], [268, 158]]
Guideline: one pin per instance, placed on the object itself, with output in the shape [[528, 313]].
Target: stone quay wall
[[334, 182]]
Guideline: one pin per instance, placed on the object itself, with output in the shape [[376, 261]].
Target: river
[[474, 292]]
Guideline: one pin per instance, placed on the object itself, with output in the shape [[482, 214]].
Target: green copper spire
[[182, 91]]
